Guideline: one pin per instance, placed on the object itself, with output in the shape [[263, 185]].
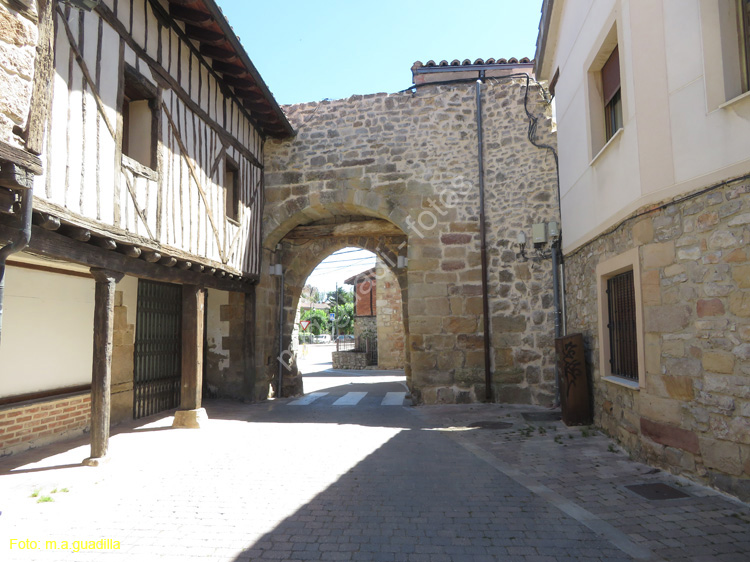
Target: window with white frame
[[725, 26], [604, 92]]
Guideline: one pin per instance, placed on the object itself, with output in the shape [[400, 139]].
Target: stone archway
[[410, 160], [299, 261]]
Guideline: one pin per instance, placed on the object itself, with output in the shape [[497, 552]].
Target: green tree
[[319, 323], [344, 318], [344, 297]]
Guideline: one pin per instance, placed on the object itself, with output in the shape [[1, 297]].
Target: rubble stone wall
[[691, 413], [18, 40], [412, 159]]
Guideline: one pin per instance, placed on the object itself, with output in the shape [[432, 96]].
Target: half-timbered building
[[148, 119]]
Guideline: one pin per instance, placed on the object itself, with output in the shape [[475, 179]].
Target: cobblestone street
[[353, 472]]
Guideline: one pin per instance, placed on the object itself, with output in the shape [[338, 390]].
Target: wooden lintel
[[375, 227], [58, 246]]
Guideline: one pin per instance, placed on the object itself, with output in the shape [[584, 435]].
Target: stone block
[[741, 275], [460, 324], [658, 255], [718, 362], [710, 307], [723, 456], [664, 410], [643, 232], [739, 303], [514, 323], [667, 318], [679, 387], [651, 287], [722, 239], [670, 435], [652, 353]]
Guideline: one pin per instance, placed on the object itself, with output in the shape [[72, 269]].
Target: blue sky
[[312, 50]]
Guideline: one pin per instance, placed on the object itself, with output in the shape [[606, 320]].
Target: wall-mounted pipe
[[489, 392], [16, 244]]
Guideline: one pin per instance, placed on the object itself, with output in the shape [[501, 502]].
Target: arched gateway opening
[[399, 175], [300, 251]]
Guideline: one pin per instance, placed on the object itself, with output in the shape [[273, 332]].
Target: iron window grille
[[623, 347]]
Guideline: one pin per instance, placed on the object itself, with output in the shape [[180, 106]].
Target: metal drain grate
[[491, 425], [657, 491], [542, 416]]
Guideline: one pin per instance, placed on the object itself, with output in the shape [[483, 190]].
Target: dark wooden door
[[157, 361]]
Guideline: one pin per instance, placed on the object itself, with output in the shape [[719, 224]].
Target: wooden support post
[[101, 376], [248, 346], [191, 414]]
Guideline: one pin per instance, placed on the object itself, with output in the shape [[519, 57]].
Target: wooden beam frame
[[55, 245]]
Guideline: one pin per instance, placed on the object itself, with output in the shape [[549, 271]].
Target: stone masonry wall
[[18, 39], [349, 360], [691, 415], [390, 325], [411, 159]]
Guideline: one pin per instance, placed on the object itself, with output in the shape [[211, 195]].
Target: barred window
[[622, 326]]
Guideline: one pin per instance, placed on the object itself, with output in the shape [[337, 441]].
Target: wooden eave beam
[[219, 53], [189, 15], [230, 69], [205, 36], [58, 246]]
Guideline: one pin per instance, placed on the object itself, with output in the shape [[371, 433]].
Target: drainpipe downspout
[[17, 243], [281, 336], [489, 392]]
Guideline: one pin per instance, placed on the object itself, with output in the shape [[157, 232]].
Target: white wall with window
[[680, 115]]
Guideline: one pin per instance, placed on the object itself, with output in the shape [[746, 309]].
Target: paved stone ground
[[364, 482]]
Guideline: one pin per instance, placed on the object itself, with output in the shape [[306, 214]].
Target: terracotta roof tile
[[468, 62]]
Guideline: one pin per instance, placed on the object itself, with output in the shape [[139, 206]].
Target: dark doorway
[[156, 381]]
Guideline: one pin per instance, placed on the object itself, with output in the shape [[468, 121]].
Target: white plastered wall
[[679, 134], [47, 337]]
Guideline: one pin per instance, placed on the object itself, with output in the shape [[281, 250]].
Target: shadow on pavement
[[440, 503]]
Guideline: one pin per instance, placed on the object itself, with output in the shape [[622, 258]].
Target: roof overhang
[[546, 41], [206, 25]]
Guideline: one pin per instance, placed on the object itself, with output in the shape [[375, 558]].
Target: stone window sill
[[611, 141], [620, 381], [735, 100]]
